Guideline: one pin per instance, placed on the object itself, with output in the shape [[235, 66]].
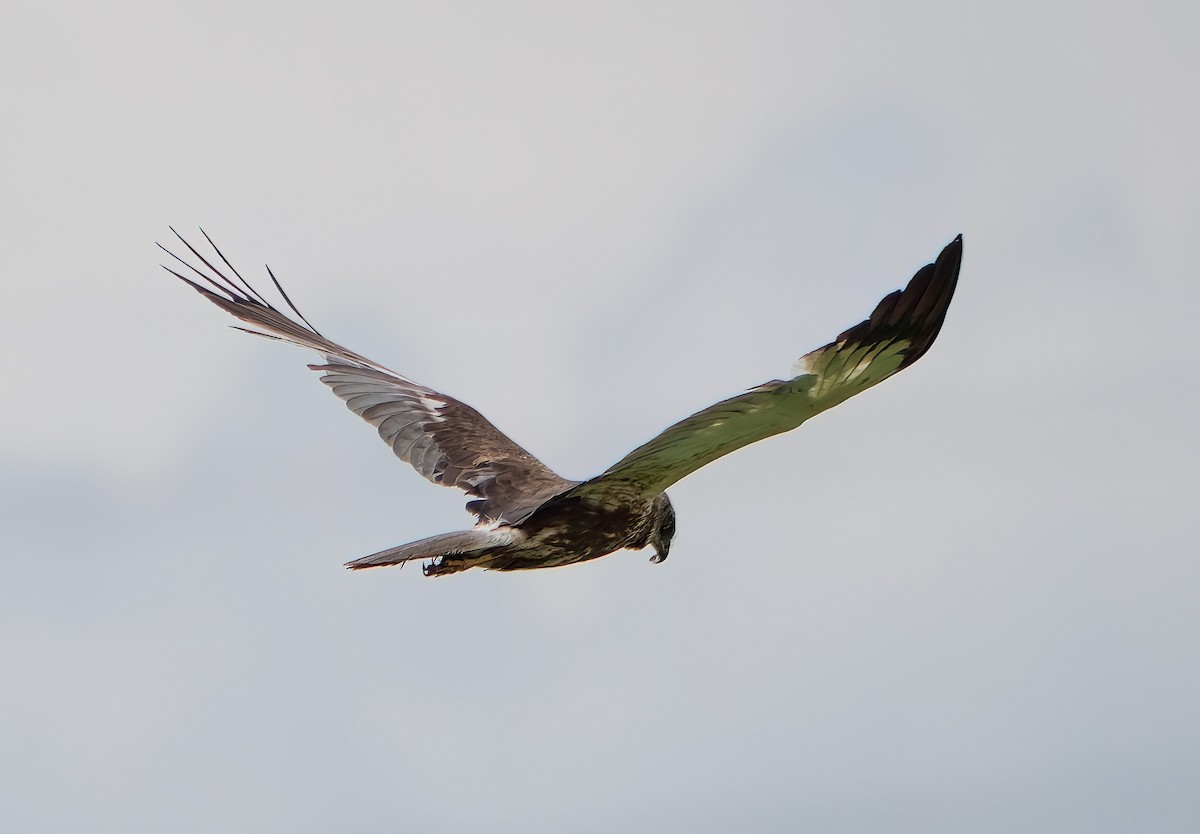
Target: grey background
[[964, 601]]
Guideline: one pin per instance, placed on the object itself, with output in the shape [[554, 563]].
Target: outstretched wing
[[445, 440], [898, 333]]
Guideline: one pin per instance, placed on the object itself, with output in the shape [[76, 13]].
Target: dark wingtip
[[916, 313], [929, 312]]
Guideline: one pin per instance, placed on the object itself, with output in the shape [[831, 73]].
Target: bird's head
[[664, 528]]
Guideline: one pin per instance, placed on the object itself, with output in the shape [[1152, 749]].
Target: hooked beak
[[661, 549]]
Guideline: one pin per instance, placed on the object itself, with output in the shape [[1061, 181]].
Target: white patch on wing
[[859, 368], [876, 363], [801, 366], [434, 407]]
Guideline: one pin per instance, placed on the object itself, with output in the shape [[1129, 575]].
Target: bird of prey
[[528, 516]]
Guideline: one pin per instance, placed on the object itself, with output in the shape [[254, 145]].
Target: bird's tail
[[448, 552]]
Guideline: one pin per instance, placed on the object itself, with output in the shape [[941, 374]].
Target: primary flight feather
[[528, 516]]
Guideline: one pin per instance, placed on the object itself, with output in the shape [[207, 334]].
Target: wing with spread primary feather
[[899, 331], [445, 440]]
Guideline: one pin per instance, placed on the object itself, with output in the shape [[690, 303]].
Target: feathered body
[[559, 533]]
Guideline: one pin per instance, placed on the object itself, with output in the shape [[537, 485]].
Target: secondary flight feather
[[528, 516]]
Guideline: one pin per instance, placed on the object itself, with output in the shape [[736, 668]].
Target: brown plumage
[[529, 517]]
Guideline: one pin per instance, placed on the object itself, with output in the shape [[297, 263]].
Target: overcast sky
[[963, 602]]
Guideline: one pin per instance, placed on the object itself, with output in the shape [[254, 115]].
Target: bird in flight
[[528, 516]]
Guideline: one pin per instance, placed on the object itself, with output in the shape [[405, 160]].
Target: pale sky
[[963, 602]]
